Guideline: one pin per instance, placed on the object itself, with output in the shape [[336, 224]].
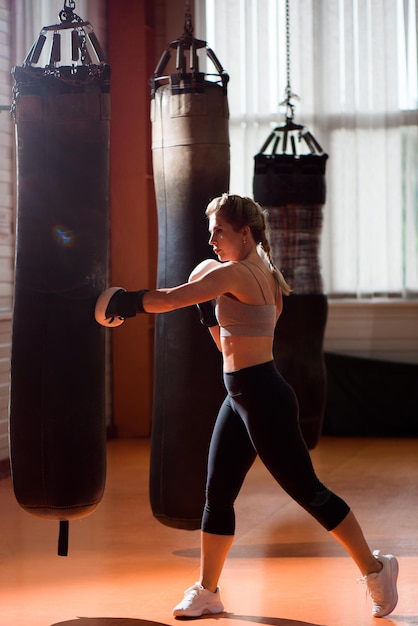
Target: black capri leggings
[[260, 417]]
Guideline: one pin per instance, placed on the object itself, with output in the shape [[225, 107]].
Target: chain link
[[67, 13], [188, 27], [288, 89], [290, 107]]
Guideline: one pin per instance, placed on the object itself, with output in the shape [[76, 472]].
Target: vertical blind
[[353, 66], [6, 220]]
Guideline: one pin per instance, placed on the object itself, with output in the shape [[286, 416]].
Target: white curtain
[[353, 64]]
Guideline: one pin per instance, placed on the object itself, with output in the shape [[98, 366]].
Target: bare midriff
[[239, 352]]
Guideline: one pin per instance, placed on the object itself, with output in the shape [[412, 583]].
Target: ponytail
[[263, 249]]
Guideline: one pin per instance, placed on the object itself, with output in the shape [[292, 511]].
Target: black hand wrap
[[139, 299], [126, 304], [207, 313]]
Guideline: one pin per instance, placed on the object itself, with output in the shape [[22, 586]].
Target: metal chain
[[290, 107], [188, 27], [67, 13], [288, 89]]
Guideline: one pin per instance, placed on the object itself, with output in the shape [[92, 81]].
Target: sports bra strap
[[258, 282]]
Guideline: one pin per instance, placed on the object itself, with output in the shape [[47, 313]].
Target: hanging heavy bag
[[57, 408], [190, 150], [289, 181], [290, 184]]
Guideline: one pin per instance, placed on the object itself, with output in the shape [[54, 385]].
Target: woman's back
[[248, 316]]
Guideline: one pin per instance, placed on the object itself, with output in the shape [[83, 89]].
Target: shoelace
[[372, 586], [362, 581], [192, 592]]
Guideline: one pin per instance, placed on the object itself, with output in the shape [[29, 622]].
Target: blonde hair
[[242, 211]]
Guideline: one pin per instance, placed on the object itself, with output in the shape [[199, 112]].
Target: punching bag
[[57, 380], [289, 181], [190, 152]]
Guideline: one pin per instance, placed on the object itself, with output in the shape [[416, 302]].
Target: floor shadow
[[108, 621], [256, 619], [391, 620], [270, 621], [412, 620], [274, 550], [286, 550], [126, 621]]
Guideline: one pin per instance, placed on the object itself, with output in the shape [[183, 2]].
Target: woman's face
[[226, 242]]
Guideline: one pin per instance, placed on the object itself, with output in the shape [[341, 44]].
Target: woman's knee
[[218, 517], [327, 508]]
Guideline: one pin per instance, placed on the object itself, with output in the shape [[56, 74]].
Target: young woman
[[259, 415]]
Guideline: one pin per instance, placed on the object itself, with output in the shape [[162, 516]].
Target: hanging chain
[[289, 95], [188, 27], [67, 13], [68, 16], [288, 89]]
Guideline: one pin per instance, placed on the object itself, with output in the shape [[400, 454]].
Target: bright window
[[353, 63]]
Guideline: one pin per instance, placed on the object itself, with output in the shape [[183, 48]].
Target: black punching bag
[[190, 149], [57, 409], [289, 181]]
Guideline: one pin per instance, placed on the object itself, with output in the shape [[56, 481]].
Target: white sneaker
[[198, 601], [382, 585]]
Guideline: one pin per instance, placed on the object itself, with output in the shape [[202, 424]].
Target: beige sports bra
[[237, 318]]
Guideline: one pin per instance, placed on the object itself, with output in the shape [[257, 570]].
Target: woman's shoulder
[[202, 268]]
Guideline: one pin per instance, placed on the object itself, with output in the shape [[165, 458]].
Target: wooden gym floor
[[124, 568]]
